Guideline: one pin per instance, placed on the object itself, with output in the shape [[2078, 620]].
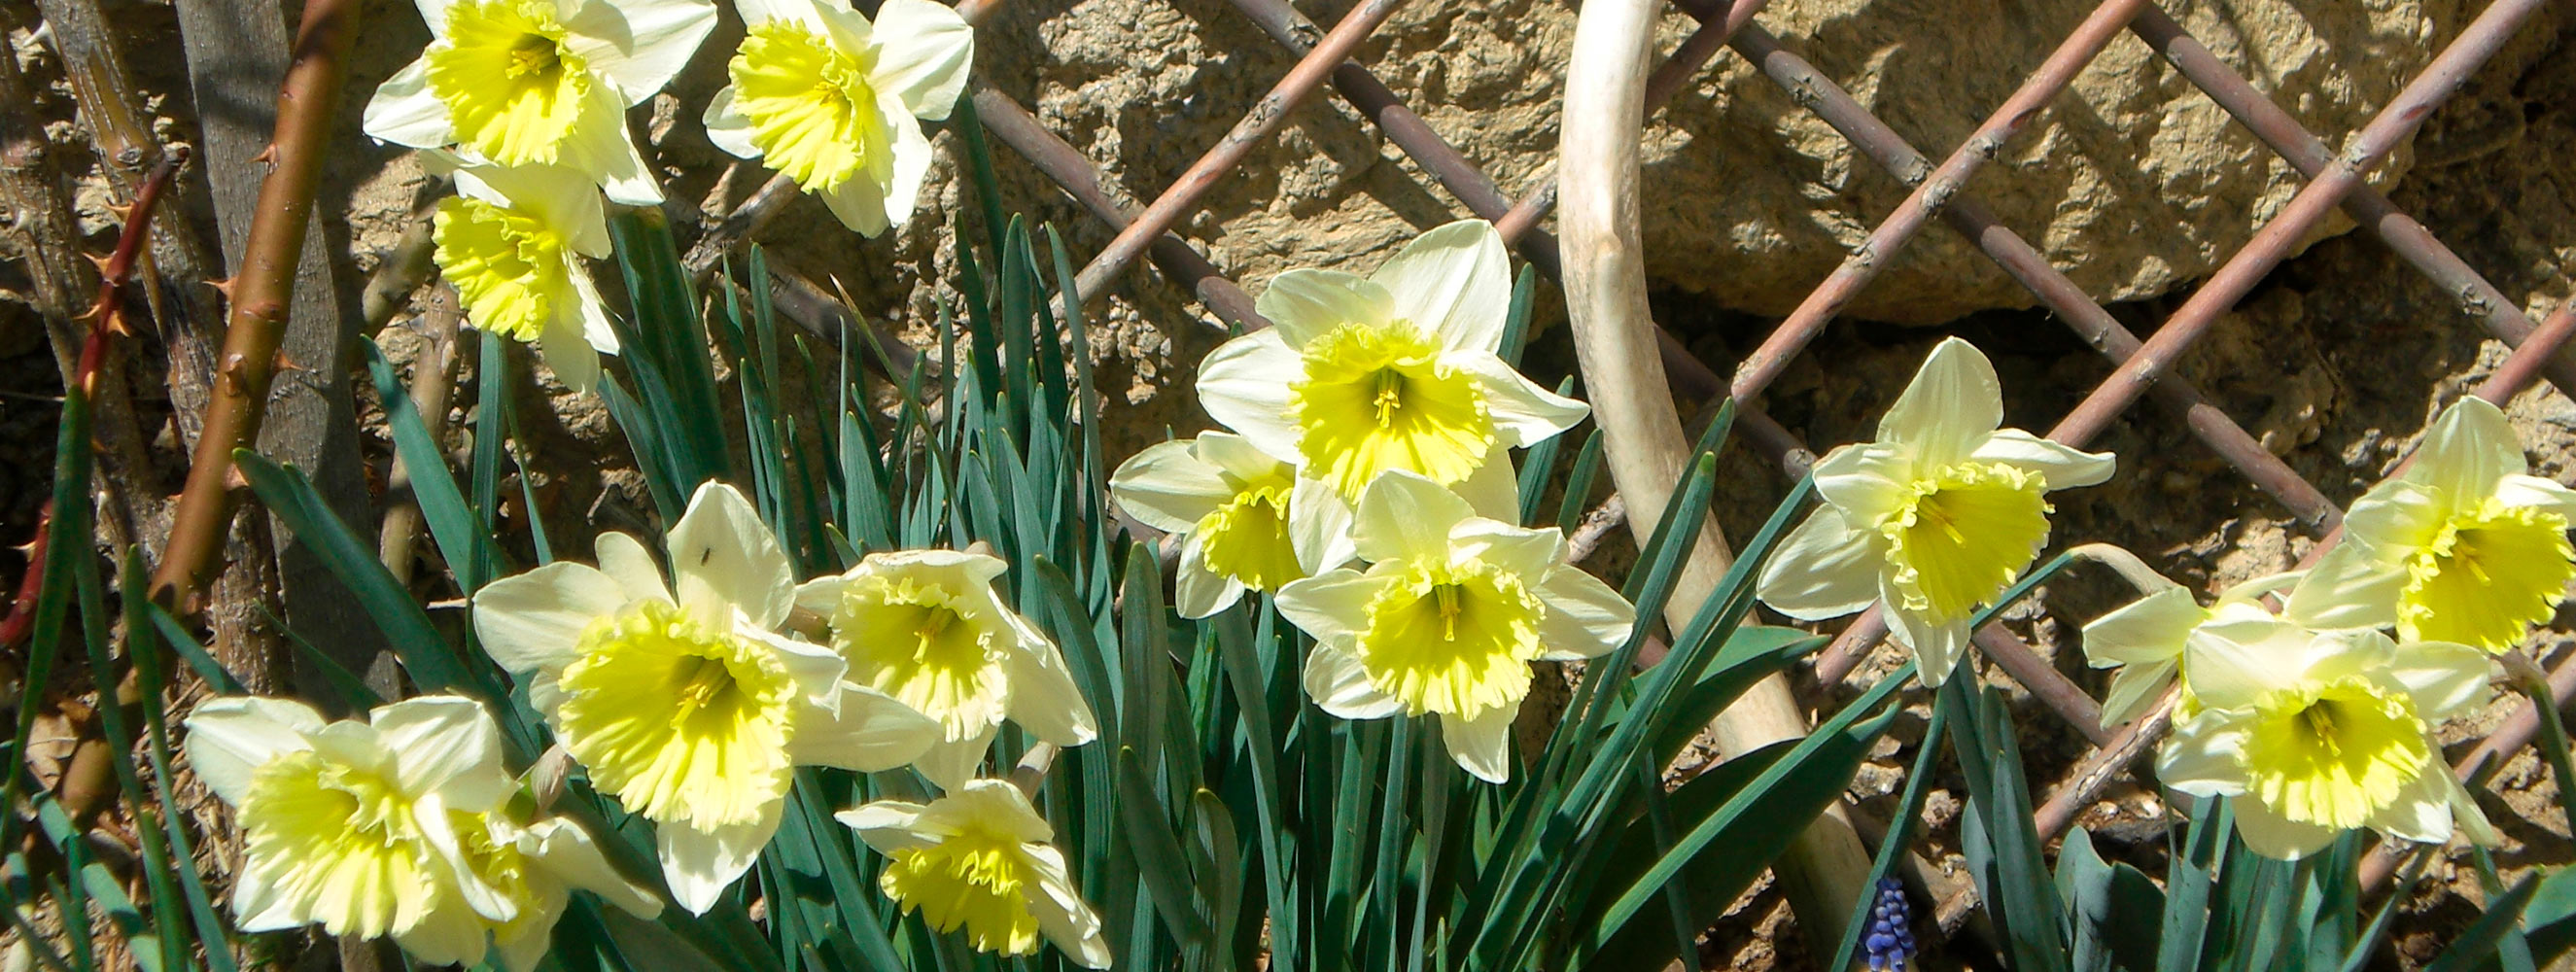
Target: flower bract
[[1938, 516], [682, 700], [511, 242], [541, 82], [924, 627], [1448, 617], [1246, 520], [835, 100], [979, 860], [2465, 546], [2319, 733], [1395, 371]]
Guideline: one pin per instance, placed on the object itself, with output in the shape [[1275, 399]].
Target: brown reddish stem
[[260, 294]]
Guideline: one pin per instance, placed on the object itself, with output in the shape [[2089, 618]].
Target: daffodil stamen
[[2488, 575], [1376, 397], [511, 84], [718, 757]]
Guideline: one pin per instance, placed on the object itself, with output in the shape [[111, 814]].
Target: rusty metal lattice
[[2141, 367]]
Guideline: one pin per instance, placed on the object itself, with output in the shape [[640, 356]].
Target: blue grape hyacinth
[[1889, 942]]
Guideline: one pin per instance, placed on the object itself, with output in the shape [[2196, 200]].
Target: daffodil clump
[[541, 82], [835, 100], [1398, 370], [683, 700], [924, 627], [979, 859], [1245, 519], [400, 825], [1938, 516], [511, 241], [2464, 546], [1447, 618]]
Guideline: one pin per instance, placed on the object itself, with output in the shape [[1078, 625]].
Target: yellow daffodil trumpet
[[835, 100], [511, 242], [1447, 619], [924, 627], [682, 700], [1938, 516], [2465, 546], [1395, 371], [979, 860], [541, 82], [1246, 520]]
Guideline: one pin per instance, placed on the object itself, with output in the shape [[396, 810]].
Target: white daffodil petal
[[887, 826], [1494, 489], [2445, 679], [1340, 685], [815, 670], [725, 557], [2421, 812], [637, 46], [2279, 837], [860, 204], [445, 936], [230, 738], [922, 53], [1405, 516], [803, 13], [1198, 591], [405, 112], [2134, 688], [568, 352], [1452, 281], [1866, 482], [1524, 414], [2062, 465], [1329, 604], [624, 559], [596, 328], [1244, 384], [2465, 812], [1066, 919], [2149, 629], [1824, 570], [1585, 617], [2537, 493], [1528, 553], [599, 144], [912, 157], [567, 851], [1953, 405], [2399, 514], [448, 745], [870, 733], [2348, 588], [1482, 745], [1237, 457], [699, 865], [530, 623], [1319, 527], [2466, 450], [2231, 663], [1937, 647], [1303, 304], [727, 127], [1044, 699], [2203, 757], [1167, 487], [949, 764]]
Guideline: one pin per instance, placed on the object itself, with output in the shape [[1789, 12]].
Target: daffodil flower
[[2466, 546], [924, 627], [1938, 516], [2319, 733], [683, 701], [835, 101], [980, 859], [511, 242], [1246, 520], [1394, 371], [536, 865], [1447, 619], [350, 825], [2146, 640], [541, 82]]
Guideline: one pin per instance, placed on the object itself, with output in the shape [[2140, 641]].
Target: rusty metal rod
[[2402, 233], [1766, 362], [2449, 70], [1265, 117], [2025, 263]]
